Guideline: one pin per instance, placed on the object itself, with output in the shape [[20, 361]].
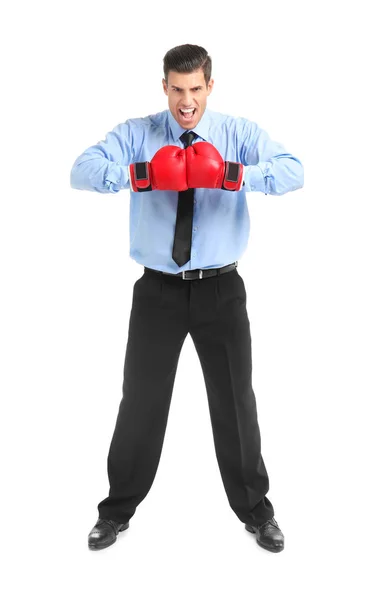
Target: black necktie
[[184, 216]]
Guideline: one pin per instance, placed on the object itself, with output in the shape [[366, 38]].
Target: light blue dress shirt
[[221, 219]]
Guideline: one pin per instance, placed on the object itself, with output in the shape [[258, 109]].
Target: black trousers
[[213, 311]]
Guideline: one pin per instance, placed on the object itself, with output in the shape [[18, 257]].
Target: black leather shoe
[[268, 535], [104, 533]]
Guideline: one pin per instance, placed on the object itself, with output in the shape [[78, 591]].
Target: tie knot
[[187, 137]]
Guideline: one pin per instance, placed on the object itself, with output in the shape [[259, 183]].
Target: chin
[[192, 125]]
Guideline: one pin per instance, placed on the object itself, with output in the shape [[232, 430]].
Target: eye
[[195, 89]]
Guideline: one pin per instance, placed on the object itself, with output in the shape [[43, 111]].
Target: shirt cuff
[[253, 179], [115, 176]]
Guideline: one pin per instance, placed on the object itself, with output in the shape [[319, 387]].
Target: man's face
[[187, 90]]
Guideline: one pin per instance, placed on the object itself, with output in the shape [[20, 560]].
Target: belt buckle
[[200, 275]]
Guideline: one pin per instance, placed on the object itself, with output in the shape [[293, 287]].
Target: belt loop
[[200, 274]]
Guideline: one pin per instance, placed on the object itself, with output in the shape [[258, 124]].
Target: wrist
[[233, 179], [140, 177]]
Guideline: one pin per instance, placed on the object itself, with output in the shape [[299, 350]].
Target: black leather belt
[[198, 273]]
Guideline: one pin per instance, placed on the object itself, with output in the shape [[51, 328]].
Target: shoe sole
[[277, 549], [102, 547]]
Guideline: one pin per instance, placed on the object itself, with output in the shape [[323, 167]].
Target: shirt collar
[[201, 129]]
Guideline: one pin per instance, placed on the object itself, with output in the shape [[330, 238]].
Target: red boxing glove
[[207, 169], [166, 171]]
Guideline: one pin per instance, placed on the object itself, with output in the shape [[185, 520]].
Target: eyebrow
[[193, 88]]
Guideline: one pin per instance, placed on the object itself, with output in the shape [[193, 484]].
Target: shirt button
[[118, 163], [252, 187]]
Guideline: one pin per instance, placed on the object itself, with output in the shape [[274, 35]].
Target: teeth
[[187, 110]]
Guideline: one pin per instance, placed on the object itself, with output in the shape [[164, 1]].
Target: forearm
[[268, 167], [277, 176], [98, 175], [104, 167]]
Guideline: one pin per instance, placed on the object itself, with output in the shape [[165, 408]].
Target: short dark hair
[[186, 59]]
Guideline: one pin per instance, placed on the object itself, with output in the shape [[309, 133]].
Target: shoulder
[[136, 124], [231, 123], [149, 121]]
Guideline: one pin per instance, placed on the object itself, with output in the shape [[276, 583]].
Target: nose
[[187, 99]]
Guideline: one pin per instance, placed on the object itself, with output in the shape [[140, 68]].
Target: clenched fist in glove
[[197, 166], [166, 171], [207, 169]]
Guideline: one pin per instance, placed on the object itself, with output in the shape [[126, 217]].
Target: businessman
[[188, 170]]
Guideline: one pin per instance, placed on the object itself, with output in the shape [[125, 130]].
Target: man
[[188, 169]]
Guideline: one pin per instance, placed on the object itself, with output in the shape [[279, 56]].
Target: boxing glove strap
[[142, 177], [233, 172]]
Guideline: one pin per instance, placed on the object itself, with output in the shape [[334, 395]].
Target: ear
[[164, 86], [210, 86]]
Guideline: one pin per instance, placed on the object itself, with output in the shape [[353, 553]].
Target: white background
[[71, 72]]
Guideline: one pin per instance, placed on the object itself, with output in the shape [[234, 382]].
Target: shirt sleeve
[[268, 167], [104, 167]]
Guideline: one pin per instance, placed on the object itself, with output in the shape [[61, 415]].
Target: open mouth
[[187, 115]]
